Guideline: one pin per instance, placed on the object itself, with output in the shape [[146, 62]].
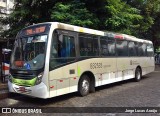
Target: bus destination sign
[[35, 30]]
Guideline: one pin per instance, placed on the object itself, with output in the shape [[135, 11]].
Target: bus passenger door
[[69, 52], [66, 63]]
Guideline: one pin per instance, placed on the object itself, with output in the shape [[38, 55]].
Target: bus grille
[[23, 76]]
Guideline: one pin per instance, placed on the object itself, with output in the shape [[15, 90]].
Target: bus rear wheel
[[84, 85], [138, 74]]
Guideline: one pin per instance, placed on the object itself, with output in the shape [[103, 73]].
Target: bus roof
[[59, 25]]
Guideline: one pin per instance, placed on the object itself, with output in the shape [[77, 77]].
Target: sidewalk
[[3, 85], [157, 67], [3, 90]]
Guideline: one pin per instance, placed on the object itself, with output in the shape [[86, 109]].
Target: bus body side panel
[[104, 69], [63, 80], [70, 72], [143, 64], [124, 69], [89, 65], [108, 70], [147, 64], [54, 75], [150, 64]]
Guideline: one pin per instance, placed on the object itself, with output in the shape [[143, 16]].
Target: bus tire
[[92, 88], [84, 85], [138, 74]]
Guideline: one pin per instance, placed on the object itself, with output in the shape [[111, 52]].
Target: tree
[[123, 16], [75, 13], [149, 10], [27, 12]]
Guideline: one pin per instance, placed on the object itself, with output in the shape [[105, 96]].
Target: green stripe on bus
[[24, 82], [79, 71]]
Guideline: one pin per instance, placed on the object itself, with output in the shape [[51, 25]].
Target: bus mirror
[[6, 51]]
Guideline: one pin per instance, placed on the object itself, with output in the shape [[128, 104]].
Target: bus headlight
[[10, 78], [39, 79]]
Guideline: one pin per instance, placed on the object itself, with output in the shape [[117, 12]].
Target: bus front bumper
[[39, 91]]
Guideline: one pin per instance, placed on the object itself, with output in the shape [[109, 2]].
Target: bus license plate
[[22, 89]]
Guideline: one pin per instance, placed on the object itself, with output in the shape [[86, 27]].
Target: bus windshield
[[29, 52]]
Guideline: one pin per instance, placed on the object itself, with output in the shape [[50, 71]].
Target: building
[[6, 7]]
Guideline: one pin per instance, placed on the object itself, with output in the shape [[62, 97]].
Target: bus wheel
[[84, 85], [138, 74]]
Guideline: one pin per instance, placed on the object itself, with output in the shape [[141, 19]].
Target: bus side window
[[68, 46], [104, 47], [150, 51], [88, 45], [142, 49], [132, 49], [95, 48], [62, 50], [107, 46], [111, 47], [122, 49]]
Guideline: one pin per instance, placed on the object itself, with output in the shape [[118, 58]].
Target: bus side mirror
[[5, 51]]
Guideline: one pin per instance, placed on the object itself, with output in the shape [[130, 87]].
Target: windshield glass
[[29, 52]]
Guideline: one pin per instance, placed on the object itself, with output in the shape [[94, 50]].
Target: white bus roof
[[94, 32]]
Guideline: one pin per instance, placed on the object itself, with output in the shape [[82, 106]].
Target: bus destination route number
[[95, 65]]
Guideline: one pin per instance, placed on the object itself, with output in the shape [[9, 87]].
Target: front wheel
[[138, 74], [84, 85]]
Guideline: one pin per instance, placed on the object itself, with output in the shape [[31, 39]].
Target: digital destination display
[[35, 30]]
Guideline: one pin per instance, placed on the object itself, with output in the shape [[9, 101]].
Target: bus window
[[104, 47], [122, 49], [62, 50], [150, 50], [107, 46], [88, 46], [132, 49], [142, 49], [111, 47], [95, 46], [67, 48]]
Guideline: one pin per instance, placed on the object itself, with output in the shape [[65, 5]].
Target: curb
[[4, 94], [3, 87]]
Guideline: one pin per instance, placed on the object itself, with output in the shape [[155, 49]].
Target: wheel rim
[[138, 75], [85, 86]]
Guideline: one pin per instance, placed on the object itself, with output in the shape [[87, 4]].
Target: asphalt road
[[145, 93]]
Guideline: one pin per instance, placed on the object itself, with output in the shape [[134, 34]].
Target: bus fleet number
[[95, 65]]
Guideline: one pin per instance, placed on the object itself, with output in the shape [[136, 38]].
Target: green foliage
[[26, 12], [74, 13], [122, 17], [134, 17]]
